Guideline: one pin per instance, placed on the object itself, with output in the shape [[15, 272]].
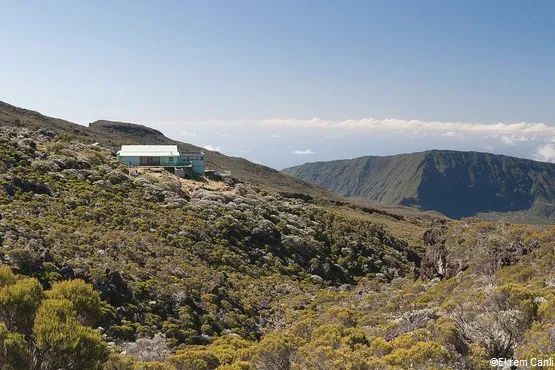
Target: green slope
[[457, 184], [114, 134], [68, 209], [205, 275]]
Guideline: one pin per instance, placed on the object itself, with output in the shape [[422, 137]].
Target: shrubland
[[105, 270]]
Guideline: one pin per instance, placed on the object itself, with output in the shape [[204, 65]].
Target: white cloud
[[304, 152], [507, 140], [333, 136], [240, 150], [188, 134], [277, 136], [510, 140], [415, 125], [212, 148], [512, 131], [545, 153]]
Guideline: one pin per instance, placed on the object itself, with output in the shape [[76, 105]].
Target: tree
[[18, 304], [63, 342], [7, 277], [85, 300], [275, 352], [14, 353]]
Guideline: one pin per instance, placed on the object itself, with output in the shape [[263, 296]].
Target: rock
[[208, 195], [444, 260], [436, 234], [175, 202], [47, 133], [265, 234], [46, 256], [58, 176], [66, 162], [103, 183], [434, 264], [241, 189], [117, 177], [316, 279], [83, 164], [508, 255], [113, 288], [345, 288], [142, 181], [45, 166], [435, 281], [173, 186], [14, 184], [154, 193], [28, 142]]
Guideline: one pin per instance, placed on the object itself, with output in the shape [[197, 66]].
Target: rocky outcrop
[[113, 288], [448, 252], [12, 185], [435, 262]]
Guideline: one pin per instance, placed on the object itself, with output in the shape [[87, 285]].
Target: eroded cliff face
[[456, 184]]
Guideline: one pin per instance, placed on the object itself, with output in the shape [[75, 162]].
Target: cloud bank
[[393, 124], [281, 142]]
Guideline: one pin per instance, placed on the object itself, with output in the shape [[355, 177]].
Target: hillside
[[113, 134], [100, 269], [69, 210], [456, 184]]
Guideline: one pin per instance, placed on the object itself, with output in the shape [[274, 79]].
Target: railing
[[174, 163]]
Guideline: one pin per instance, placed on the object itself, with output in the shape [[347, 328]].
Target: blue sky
[[248, 77]]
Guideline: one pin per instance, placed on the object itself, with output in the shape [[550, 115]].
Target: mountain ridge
[[455, 183]]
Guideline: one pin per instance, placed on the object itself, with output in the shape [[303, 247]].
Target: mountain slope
[[192, 259], [114, 134], [103, 270], [457, 184]]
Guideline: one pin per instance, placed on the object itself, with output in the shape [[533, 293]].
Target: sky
[[287, 82]]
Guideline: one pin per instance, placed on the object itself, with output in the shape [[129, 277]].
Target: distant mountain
[[457, 184]]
